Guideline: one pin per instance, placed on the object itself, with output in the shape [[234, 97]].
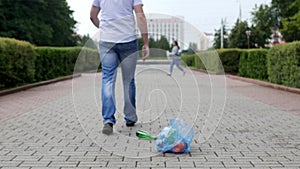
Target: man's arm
[[142, 24], [94, 15]]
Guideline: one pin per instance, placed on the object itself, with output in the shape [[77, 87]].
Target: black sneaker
[[107, 129], [130, 124]]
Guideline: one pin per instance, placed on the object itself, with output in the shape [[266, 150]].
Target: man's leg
[[109, 61], [128, 57]]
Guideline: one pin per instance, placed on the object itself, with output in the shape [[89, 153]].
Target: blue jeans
[[111, 54], [176, 60]]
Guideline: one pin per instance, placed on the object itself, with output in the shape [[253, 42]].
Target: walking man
[[118, 43]]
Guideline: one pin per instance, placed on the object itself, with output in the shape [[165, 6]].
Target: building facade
[[169, 26], [205, 41]]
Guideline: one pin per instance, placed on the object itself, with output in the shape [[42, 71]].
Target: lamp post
[[222, 34], [248, 32]]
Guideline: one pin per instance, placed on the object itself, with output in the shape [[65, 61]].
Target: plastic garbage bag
[[175, 138]]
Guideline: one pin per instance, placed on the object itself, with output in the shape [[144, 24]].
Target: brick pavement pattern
[[59, 125]]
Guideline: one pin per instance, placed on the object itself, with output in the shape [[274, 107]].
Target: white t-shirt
[[117, 22]]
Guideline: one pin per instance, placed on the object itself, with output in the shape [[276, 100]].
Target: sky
[[204, 15]]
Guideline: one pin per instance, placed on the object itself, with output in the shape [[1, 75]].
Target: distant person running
[[176, 58], [118, 42]]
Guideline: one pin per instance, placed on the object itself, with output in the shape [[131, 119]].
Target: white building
[[205, 41], [169, 26]]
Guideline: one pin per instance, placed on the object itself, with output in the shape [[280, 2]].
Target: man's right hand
[[145, 52]]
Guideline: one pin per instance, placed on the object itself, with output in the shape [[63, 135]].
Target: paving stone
[[55, 128]]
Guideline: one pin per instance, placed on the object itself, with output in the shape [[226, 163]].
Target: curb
[[265, 84], [154, 62], [208, 72], [29, 86]]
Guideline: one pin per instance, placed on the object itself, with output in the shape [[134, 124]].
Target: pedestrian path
[[59, 125]]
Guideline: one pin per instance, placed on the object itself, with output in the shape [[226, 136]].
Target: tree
[[86, 41], [288, 15], [41, 22], [238, 37], [141, 43], [291, 24], [192, 48], [163, 43], [291, 28], [217, 39], [152, 43], [62, 23], [158, 47], [282, 7], [264, 19]]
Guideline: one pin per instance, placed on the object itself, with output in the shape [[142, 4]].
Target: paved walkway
[[237, 124]]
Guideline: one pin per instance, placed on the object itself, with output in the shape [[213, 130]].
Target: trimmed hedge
[[253, 64], [208, 60], [53, 62], [16, 62], [280, 64], [219, 61], [22, 63], [189, 60], [284, 64], [230, 59]]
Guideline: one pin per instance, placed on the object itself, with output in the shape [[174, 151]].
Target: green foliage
[[253, 64], [283, 8], [238, 37], [152, 43], [230, 59], [189, 60], [192, 48], [291, 27], [162, 43], [158, 48], [280, 65], [208, 60], [16, 62], [211, 61], [88, 61], [217, 38], [284, 64], [288, 12], [87, 41], [22, 63], [41, 22], [53, 62], [219, 61], [264, 18]]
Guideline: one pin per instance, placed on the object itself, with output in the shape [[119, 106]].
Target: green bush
[[230, 59], [218, 60], [284, 64], [208, 60], [198, 62], [22, 63], [189, 60], [253, 64], [88, 61], [16, 62], [53, 62]]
